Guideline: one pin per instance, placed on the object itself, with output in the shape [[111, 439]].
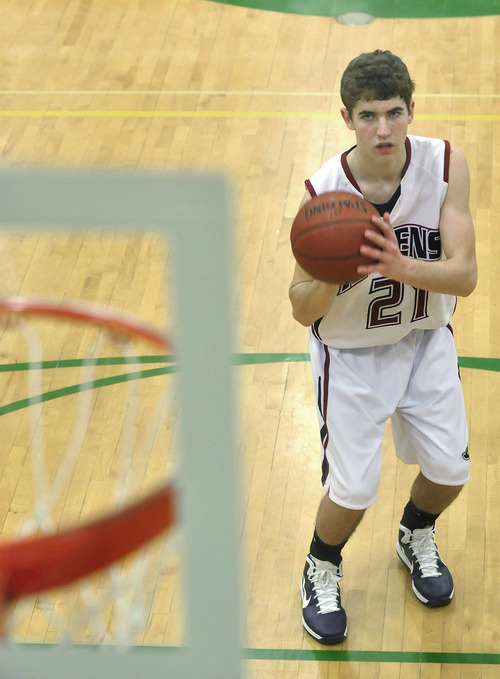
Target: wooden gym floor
[[197, 84]]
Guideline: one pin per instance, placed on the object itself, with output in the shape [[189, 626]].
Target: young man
[[382, 347]]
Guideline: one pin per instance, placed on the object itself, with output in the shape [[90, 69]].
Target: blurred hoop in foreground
[[31, 565]]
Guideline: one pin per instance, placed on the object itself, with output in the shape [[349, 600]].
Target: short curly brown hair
[[375, 75]]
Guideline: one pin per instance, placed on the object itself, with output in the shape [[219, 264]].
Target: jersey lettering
[[420, 305], [418, 242], [381, 309]]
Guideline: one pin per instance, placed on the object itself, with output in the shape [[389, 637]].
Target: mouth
[[385, 147]]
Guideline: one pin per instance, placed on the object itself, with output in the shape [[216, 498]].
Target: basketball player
[[383, 347]]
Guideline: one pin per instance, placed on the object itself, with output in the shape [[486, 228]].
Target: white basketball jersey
[[376, 310]]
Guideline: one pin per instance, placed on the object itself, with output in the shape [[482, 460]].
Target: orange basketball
[[327, 234]]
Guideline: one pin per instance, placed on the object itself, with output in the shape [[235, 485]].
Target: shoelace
[[425, 551], [326, 588]]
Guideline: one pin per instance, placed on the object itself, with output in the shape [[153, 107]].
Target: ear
[[411, 111], [347, 118]]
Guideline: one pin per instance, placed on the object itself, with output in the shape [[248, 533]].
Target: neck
[[365, 168]]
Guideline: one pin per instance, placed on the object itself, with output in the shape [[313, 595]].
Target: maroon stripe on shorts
[[323, 396]]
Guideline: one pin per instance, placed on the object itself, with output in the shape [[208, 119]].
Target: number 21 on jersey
[[385, 307]]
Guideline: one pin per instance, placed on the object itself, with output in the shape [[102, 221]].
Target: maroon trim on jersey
[[447, 152], [315, 328], [310, 188], [408, 157], [347, 169], [450, 328], [350, 176]]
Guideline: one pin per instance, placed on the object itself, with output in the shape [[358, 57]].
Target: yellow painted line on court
[[457, 116], [229, 93], [55, 113]]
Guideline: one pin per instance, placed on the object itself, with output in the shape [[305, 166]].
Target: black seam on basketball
[[334, 258], [315, 227]]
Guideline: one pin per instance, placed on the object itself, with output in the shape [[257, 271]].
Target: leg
[[336, 524], [433, 498], [323, 615], [431, 580], [351, 436], [431, 432]]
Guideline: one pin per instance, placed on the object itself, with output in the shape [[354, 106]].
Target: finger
[[373, 253], [384, 224], [375, 237], [366, 270]]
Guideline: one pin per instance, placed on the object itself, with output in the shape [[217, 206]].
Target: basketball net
[[88, 415]]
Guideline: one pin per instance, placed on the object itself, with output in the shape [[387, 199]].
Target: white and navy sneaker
[[322, 615], [432, 581]]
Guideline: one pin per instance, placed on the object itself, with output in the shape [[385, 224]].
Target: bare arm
[[310, 298], [455, 275]]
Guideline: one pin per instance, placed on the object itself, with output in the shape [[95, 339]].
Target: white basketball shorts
[[416, 384]]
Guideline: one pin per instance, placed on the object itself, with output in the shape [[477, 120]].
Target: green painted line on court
[[256, 359], [384, 9], [79, 362], [491, 364], [84, 386], [419, 657], [323, 655]]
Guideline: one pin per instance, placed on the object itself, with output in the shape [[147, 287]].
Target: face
[[380, 126]]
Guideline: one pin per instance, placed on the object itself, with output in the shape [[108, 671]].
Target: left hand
[[388, 260]]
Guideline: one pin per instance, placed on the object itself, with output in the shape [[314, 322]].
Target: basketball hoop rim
[[37, 564], [121, 324]]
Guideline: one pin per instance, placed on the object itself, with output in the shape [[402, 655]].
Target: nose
[[382, 127]]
